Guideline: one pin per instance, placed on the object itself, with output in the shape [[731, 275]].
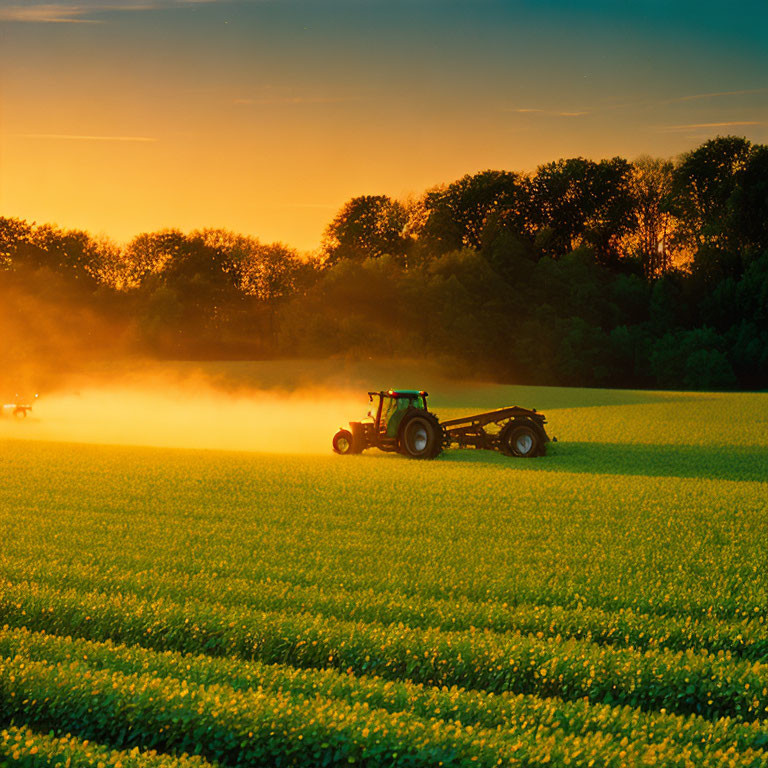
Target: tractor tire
[[342, 442], [20, 413], [421, 436], [521, 439]]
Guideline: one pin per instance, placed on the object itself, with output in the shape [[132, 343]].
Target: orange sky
[[265, 116]]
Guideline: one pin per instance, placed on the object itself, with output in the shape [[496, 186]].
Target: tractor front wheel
[[421, 437], [342, 442], [522, 440]]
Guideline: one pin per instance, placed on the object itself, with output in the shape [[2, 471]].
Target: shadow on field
[[711, 462]]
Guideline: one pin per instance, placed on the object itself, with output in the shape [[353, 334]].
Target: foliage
[[460, 215], [24, 748], [367, 227], [584, 273]]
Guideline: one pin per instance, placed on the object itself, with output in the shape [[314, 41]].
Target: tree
[[748, 204], [262, 271], [71, 254], [580, 202], [149, 254], [367, 227], [13, 233], [457, 216], [704, 182], [692, 359], [651, 238]]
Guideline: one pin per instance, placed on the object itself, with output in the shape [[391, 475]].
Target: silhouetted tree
[[13, 233], [367, 227], [748, 203], [651, 238], [704, 182], [589, 273], [580, 202], [149, 254], [458, 215], [262, 271]]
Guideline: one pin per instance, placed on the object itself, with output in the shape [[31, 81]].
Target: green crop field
[[604, 605]]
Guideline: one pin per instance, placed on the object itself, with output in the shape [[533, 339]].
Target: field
[[605, 605]]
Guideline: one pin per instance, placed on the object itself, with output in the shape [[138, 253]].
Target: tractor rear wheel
[[421, 437], [342, 442], [521, 440], [20, 413]]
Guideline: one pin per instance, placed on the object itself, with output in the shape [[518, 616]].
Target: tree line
[[593, 273]]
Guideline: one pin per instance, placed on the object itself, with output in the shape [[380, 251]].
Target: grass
[[605, 605]]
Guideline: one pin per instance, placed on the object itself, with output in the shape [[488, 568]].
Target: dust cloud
[[176, 416], [97, 384]]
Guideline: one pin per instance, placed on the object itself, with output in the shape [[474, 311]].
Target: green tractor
[[402, 423]]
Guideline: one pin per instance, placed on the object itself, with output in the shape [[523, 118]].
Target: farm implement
[[402, 423], [17, 410]]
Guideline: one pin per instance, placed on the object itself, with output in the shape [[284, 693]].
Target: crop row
[[312, 565], [476, 708], [552, 541], [262, 728], [682, 682], [618, 627], [24, 748]]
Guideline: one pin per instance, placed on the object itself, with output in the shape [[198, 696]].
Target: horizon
[[264, 118]]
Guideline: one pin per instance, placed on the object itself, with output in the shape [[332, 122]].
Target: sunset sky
[[264, 116]]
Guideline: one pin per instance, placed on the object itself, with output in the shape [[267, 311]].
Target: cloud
[[644, 104], [697, 126], [276, 100], [79, 12], [72, 137], [715, 95], [546, 112], [50, 13]]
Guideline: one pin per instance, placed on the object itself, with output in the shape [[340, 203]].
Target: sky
[[265, 116]]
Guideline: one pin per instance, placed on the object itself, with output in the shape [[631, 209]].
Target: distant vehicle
[[402, 423], [18, 410]]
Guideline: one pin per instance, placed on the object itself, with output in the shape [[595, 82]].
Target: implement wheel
[[521, 439], [421, 437]]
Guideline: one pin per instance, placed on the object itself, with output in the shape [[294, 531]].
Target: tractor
[[402, 423], [18, 410]]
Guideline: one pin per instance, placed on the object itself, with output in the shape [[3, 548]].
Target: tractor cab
[[392, 406]]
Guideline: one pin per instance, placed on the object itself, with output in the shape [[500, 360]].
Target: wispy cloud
[[74, 137], [276, 100], [81, 12], [652, 103], [647, 103], [700, 126], [546, 112], [56, 13], [715, 95]]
